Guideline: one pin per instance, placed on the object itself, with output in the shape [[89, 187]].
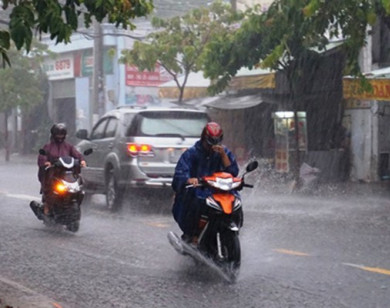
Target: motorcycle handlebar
[[202, 182], [56, 163]]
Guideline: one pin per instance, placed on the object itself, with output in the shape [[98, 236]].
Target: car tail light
[[135, 149]]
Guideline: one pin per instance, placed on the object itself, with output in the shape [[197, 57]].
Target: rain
[[301, 88]]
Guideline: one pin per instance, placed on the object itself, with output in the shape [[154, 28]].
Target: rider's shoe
[[37, 209], [189, 239]]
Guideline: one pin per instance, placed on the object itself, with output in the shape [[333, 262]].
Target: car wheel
[[114, 194]]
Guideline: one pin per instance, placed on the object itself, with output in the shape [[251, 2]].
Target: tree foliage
[[178, 44], [59, 18], [286, 36], [21, 84]]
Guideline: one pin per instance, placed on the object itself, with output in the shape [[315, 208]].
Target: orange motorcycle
[[218, 244]]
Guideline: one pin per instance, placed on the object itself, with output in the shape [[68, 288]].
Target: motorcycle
[[218, 244], [66, 193]]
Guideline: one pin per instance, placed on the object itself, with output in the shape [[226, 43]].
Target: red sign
[[146, 79]]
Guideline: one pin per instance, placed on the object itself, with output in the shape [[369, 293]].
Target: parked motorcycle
[[65, 195], [218, 244]]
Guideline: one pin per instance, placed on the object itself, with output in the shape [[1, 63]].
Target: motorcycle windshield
[[69, 177]]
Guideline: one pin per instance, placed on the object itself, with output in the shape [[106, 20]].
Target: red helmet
[[212, 133]]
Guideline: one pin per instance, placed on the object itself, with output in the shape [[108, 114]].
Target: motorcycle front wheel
[[232, 251], [73, 226]]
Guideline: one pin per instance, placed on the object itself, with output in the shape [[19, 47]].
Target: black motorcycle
[[65, 195]]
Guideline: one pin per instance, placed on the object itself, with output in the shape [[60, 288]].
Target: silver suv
[[135, 148]]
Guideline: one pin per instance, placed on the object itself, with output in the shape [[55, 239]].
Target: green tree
[[289, 32], [60, 18], [21, 84], [286, 37], [178, 44]]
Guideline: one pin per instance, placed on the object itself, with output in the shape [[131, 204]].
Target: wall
[[364, 144]]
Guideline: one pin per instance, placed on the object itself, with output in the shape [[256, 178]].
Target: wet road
[[296, 252]]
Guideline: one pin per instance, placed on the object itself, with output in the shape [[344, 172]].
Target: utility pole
[[97, 102]]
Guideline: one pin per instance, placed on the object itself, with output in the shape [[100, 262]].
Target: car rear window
[[169, 123]]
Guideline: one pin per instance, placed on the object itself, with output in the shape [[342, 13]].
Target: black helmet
[[57, 130]]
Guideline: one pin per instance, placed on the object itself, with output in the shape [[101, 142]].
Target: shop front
[[368, 113], [286, 140]]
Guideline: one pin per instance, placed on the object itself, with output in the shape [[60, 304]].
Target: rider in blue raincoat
[[204, 158]]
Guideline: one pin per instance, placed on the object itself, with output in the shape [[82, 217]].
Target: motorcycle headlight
[[60, 188]]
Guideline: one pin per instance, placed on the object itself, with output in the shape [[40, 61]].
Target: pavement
[[18, 295], [14, 294]]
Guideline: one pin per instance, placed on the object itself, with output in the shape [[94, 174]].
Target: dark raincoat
[[54, 151], [196, 162]]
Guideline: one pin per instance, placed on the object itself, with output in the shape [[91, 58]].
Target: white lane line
[[22, 197]]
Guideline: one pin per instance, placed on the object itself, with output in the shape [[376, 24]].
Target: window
[[111, 128], [98, 131], [186, 124]]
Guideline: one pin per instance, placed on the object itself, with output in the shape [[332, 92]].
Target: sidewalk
[[275, 186], [16, 158], [355, 189]]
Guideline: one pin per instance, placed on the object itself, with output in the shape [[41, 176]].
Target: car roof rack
[[130, 107]]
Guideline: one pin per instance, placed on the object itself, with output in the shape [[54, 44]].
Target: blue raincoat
[[196, 162]]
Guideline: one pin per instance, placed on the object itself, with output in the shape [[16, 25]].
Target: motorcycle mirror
[[252, 166], [88, 151], [42, 152]]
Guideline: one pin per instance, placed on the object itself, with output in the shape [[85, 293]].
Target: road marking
[[57, 305], [377, 270], [23, 197], [23, 293], [157, 224], [291, 252]]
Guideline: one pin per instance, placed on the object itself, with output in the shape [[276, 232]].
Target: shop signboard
[[380, 90], [61, 67], [137, 78], [87, 62]]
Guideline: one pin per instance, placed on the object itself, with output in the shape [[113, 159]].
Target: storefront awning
[[253, 79], [230, 102], [197, 85]]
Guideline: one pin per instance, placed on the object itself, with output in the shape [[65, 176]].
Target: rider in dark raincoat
[[202, 159], [56, 148]]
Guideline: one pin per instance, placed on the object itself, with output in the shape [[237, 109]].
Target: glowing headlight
[[60, 188]]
